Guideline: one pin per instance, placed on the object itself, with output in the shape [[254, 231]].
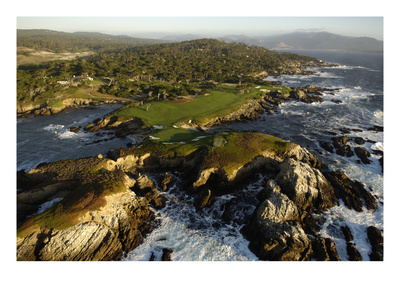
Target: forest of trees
[[57, 41], [162, 70]]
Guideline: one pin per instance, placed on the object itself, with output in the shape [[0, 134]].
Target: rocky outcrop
[[121, 128], [375, 237], [99, 219], [339, 144], [275, 231], [105, 207], [248, 111], [308, 94], [118, 227], [306, 186], [353, 193], [45, 109]]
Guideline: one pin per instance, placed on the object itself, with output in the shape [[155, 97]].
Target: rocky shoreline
[[106, 204], [45, 109]]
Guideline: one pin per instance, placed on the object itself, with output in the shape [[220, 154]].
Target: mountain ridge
[[311, 41]]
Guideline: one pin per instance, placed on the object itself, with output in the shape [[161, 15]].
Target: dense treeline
[[162, 70], [56, 41]]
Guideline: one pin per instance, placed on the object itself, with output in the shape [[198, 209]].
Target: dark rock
[[381, 162], [74, 129], [313, 89], [227, 214], [347, 233], [166, 254], [369, 199], [88, 127], [377, 152], [330, 132], [376, 128], [345, 150], [340, 140], [206, 199], [349, 191], [324, 249], [337, 101], [359, 140], [376, 239], [327, 146], [352, 252], [166, 181], [145, 187], [345, 130], [363, 154], [297, 93]]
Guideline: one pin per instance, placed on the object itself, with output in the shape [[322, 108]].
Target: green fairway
[[167, 113], [201, 109]]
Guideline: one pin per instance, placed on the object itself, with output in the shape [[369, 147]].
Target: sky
[[211, 26]]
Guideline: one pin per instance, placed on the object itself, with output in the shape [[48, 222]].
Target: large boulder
[[274, 232], [306, 186]]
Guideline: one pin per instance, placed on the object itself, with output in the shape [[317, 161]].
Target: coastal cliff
[[104, 207]]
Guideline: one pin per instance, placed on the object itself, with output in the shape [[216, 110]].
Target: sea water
[[357, 82], [48, 139]]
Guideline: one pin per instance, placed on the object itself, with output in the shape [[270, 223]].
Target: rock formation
[[104, 208], [45, 109]]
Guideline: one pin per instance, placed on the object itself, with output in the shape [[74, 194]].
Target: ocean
[[353, 108]]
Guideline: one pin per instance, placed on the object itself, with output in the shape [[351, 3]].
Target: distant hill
[[181, 37], [311, 41], [58, 41]]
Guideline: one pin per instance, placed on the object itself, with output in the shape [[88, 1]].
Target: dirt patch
[[182, 100], [31, 56]]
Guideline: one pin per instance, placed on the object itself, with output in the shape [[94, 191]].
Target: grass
[[227, 150], [222, 101], [167, 113], [233, 150]]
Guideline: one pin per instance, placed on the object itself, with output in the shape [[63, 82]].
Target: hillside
[[57, 41], [311, 41], [160, 72]]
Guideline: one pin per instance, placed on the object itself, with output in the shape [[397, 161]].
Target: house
[[62, 81]]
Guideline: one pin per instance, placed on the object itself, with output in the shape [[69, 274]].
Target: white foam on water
[[53, 128], [187, 245], [67, 134], [195, 235], [357, 222], [47, 205]]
